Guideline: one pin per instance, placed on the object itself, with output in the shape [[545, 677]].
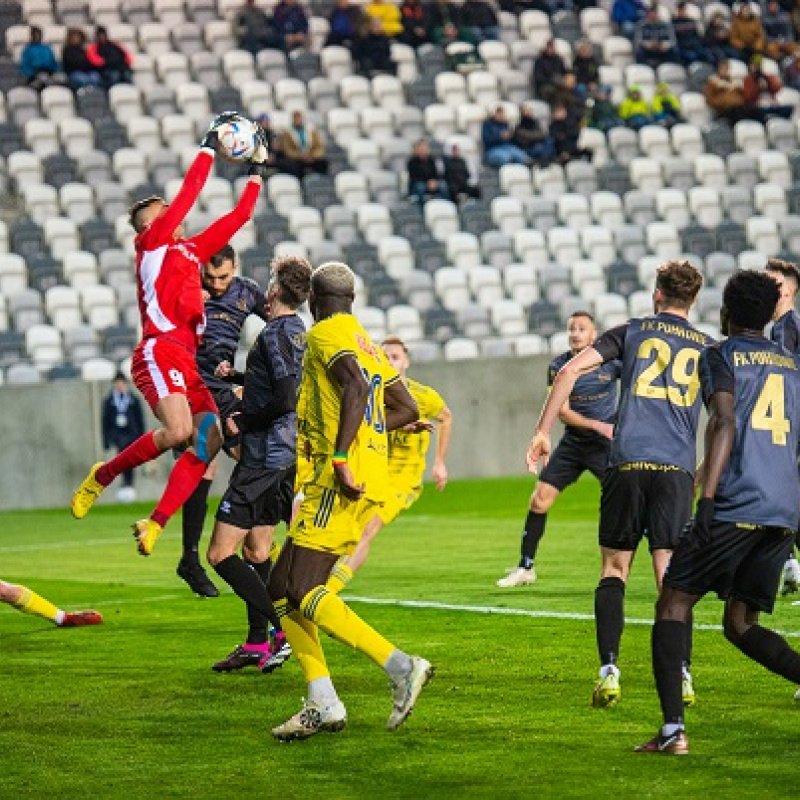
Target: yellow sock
[[274, 552], [338, 620], [340, 576], [303, 636], [32, 603]]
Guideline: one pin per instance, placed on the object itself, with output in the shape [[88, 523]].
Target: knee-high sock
[[609, 613], [668, 643], [187, 472], [333, 616], [194, 517], [771, 651], [257, 634], [303, 636], [246, 583], [32, 603], [687, 652], [531, 536], [341, 575], [144, 449]]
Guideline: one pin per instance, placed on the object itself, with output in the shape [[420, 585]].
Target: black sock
[[257, 634], [194, 518], [609, 614], [531, 536], [687, 650], [771, 651], [246, 583], [668, 644], [797, 541]]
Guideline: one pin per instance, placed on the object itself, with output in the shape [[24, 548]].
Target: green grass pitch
[[132, 709]]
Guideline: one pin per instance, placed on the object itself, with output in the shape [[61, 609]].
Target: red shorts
[[162, 366]]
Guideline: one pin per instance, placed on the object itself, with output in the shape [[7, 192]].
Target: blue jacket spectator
[[654, 41], [38, 63], [626, 15], [346, 23], [292, 23], [498, 145]]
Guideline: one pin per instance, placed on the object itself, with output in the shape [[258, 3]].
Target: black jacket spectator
[[110, 59], [79, 70], [415, 23], [585, 66], [374, 51], [548, 72], [457, 176]]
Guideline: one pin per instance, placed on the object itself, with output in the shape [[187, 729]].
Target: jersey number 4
[[769, 411], [683, 383]]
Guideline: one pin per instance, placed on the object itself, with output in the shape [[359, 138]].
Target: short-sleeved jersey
[[660, 398], [759, 485], [319, 405], [407, 450], [225, 318], [594, 395], [277, 353], [786, 331]]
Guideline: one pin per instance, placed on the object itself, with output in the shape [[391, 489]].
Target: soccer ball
[[238, 139]]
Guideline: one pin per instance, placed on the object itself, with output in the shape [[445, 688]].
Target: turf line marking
[[518, 612], [73, 544]]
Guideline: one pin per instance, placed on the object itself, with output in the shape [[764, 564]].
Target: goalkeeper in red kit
[[172, 311]]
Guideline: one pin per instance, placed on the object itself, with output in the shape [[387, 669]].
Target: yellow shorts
[[305, 471], [399, 499], [329, 522]]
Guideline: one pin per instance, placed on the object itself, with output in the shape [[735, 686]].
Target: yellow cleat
[[607, 691], [87, 493], [146, 532], [687, 689]]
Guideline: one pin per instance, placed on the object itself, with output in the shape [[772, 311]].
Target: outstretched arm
[[445, 420]]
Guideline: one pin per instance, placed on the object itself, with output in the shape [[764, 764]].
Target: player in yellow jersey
[[29, 602], [350, 398], [407, 452]]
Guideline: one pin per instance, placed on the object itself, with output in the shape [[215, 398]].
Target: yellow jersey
[[319, 404], [407, 450]]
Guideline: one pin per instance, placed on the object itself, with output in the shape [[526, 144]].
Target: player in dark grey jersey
[[749, 503], [647, 490], [786, 332]]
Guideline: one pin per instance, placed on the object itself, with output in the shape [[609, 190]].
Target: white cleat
[[791, 577], [518, 577], [797, 696], [406, 691], [312, 719]]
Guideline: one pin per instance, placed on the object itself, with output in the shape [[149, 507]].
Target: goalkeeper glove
[[258, 161], [211, 138]]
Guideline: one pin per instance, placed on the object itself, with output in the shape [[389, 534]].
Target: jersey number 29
[[683, 383]]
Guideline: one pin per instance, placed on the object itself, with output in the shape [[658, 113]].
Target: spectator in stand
[[346, 23], [291, 23], [480, 21], [654, 41], [747, 33], [687, 34], [533, 139], [791, 71], [38, 63], [498, 141], [795, 16], [276, 159], [303, 147], [565, 128], [461, 183], [760, 93], [626, 15], [717, 39], [79, 70], [778, 30], [461, 56], [415, 24], [373, 52], [122, 422], [723, 95], [389, 15], [586, 69], [548, 73], [666, 106], [254, 30], [634, 110], [444, 21], [426, 178], [111, 59], [603, 114]]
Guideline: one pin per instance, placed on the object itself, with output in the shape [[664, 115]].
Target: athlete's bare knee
[[9, 592], [256, 553], [543, 498]]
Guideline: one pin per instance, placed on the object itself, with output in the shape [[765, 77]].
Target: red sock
[[186, 474], [144, 449]]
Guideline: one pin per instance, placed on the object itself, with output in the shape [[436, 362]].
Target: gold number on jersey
[[683, 373], [768, 412]]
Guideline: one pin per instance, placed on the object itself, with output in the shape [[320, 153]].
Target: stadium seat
[[763, 235], [441, 218], [607, 209], [463, 250], [98, 369], [508, 214], [451, 287], [521, 283], [769, 199], [80, 269], [671, 207], [597, 243], [573, 211], [374, 222], [705, 205]]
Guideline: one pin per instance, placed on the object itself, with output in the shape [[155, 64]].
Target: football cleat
[[245, 655], [312, 719], [87, 493], [518, 577], [674, 745], [78, 619], [607, 692], [687, 689], [197, 579], [280, 653], [406, 691], [146, 533], [797, 695], [791, 577]]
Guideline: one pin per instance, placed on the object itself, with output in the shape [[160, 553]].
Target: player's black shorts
[[257, 496], [644, 500], [572, 456], [743, 562]]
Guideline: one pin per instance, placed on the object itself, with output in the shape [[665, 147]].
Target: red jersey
[[168, 269]]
